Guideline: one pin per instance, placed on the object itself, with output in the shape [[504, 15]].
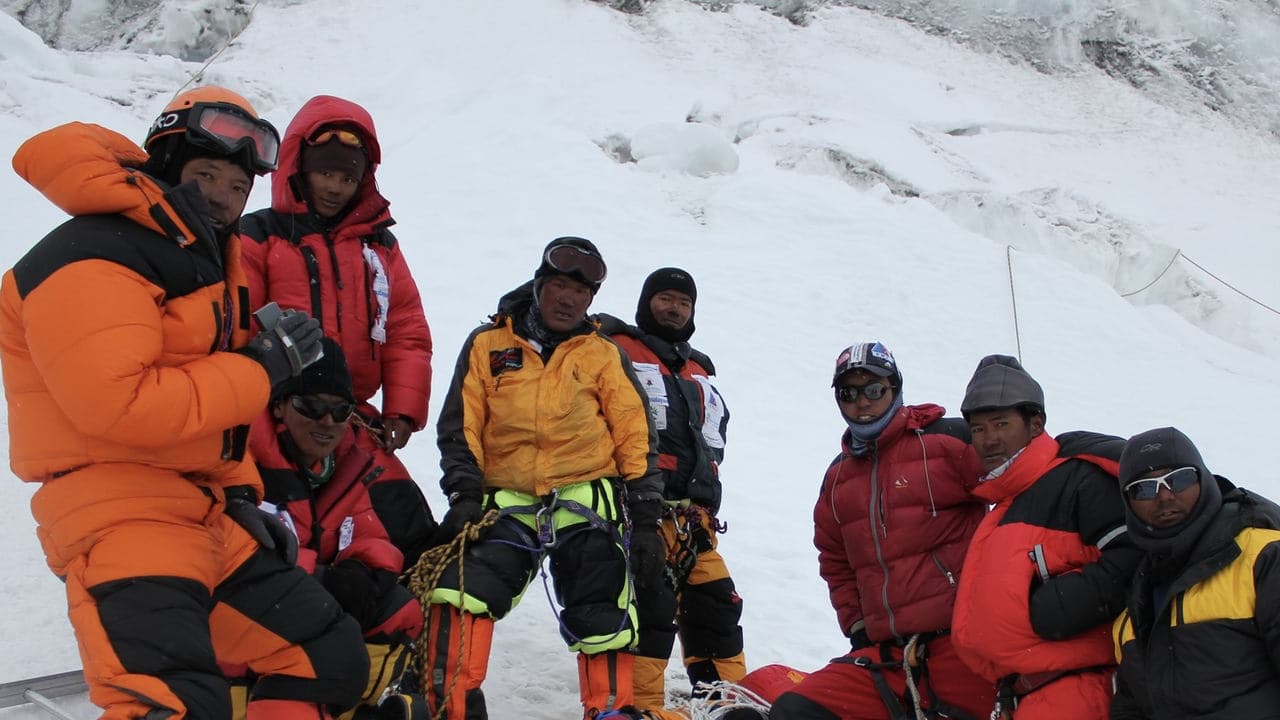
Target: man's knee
[[158, 626]]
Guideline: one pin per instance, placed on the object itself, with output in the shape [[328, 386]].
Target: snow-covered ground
[[849, 179]]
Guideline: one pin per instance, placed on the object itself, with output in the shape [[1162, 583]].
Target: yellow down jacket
[[513, 421]]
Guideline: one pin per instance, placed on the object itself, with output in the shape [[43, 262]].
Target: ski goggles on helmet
[[313, 408], [572, 260], [225, 129], [346, 137], [1175, 480]]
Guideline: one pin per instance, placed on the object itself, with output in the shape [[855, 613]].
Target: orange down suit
[[126, 405]]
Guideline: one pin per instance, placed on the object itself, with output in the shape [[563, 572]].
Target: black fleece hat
[[334, 155], [1167, 448], [328, 375], [668, 278], [1000, 382], [545, 269], [171, 153], [1160, 449]]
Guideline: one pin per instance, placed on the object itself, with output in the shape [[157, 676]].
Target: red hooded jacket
[[336, 272]]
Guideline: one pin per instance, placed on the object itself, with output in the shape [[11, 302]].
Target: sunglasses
[[871, 391], [346, 137], [313, 408], [228, 129], [1176, 481], [571, 260]]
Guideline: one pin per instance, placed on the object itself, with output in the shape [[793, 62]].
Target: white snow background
[[850, 179]]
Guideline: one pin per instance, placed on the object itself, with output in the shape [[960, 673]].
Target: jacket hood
[[368, 206], [87, 169]]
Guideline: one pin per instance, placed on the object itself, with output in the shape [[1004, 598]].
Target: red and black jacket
[[1048, 566], [687, 410], [335, 522], [892, 526], [291, 256]]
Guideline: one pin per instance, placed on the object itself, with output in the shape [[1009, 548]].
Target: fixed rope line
[[1179, 254], [1172, 260], [1017, 333], [200, 73], [1233, 288]]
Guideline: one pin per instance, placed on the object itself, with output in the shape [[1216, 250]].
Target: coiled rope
[[423, 578]]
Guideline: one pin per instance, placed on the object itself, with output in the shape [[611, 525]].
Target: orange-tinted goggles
[[346, 137]]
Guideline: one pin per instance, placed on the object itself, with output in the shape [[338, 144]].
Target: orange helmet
[[214, 120]]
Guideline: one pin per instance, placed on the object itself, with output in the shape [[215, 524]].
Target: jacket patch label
[[650, 377], [346, 533], [500, 361]]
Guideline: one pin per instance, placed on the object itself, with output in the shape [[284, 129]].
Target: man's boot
[[457, 659], [604, 682]]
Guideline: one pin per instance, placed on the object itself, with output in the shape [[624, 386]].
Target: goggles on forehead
[[346, 137], [225, 129], [573, 260], [871, 391], [313, 408], [1176, 481]]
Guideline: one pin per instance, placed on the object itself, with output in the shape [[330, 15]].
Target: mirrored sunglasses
[[871, 391], [311, 407], [572, 260], [1176, 481], [346, 137], [228, 129]]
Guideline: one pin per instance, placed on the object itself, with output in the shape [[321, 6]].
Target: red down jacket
[[892, 526]]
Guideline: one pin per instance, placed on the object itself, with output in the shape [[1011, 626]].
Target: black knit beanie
[[336, 156], [1000, 382], [171, 153], [668, 278], [1168, 449], [328, 375]]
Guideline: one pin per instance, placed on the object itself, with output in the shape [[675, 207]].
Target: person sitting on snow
[[316, 479], [1200, 637]]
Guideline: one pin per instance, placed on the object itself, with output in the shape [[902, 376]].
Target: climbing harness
[[915, 669]]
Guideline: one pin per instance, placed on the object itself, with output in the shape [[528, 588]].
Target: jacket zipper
[[951, 578], [876, 513]]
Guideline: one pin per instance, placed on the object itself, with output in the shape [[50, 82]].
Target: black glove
[[648, 548], [289, 342], [648, 558], [356, 589], [463, 510], [858, 639], [270, 532]]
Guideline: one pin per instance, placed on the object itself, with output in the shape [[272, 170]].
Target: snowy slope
[[888, 184]]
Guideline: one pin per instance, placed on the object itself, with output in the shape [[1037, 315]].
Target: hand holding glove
[[463, 510], [270, 532], [648, 548], [289, 342]]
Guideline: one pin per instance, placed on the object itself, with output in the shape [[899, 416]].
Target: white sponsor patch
[[712, 412], [650, 376], [346, 533]]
